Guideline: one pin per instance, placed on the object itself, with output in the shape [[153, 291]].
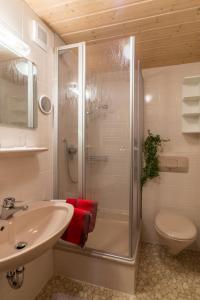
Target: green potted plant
[[151, 148]]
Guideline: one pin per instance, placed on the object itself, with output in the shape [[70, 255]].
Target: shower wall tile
[[111, 191], [108, 134], [177, 191], [12, 16]]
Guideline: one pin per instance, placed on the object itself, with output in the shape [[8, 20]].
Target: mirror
[[45, 105], [18, 90]]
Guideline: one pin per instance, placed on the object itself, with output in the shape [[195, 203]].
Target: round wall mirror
[[45, 104]]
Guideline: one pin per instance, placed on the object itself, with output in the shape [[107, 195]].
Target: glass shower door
[[70, 121], [108, 143]]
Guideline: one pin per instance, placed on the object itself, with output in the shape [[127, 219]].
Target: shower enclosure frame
[[134, 209]]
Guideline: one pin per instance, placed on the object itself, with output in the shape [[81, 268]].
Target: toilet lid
[[175, 226]]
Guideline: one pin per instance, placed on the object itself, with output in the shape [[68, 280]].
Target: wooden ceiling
[[167, 31]]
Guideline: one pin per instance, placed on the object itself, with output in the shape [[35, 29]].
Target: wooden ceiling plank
[[78, 9], [74, 8], [173, 40], [42, 5], [164, 60], [135, 27], [158, 38], [183, 48], [134, 12], [168, 32]]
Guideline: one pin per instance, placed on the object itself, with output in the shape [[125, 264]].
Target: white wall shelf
[[191, 80], [191, 98], [191, 114], [191, 105], [20, 151]]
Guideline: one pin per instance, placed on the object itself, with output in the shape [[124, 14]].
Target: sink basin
[[36, 229]]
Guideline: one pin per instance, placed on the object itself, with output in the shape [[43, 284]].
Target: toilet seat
[[175, 226]]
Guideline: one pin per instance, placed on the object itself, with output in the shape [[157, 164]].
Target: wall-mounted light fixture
[[12, 42]]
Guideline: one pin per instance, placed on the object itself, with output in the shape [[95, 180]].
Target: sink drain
[[20, 245]]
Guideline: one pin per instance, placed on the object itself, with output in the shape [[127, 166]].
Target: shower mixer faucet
[[70, 149]]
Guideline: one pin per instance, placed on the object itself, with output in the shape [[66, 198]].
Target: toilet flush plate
[[171, 163]]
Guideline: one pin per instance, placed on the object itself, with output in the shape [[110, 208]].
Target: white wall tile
[[29, 178], [177, 191]]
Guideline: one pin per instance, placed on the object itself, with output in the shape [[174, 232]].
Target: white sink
[[40, 227]]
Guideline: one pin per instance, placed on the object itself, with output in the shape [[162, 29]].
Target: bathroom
[[78, 60]]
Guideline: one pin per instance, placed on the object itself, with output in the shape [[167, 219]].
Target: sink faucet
[[9, 208]]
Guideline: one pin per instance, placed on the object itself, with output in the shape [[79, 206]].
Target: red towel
[[88, 205], [77, 231], [72, 201]]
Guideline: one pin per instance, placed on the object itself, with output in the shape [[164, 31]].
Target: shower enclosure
[[98, 138]]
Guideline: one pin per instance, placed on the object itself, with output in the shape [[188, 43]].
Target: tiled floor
[[160, 277]]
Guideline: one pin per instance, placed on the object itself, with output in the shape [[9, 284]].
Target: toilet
[[175, 231]]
